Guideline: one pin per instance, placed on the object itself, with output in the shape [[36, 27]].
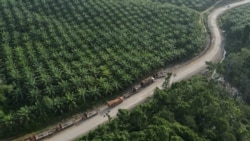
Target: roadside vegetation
[[57, 57], [236, 66], [194, 110]]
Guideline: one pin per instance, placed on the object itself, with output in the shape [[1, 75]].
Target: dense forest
[[61, 56], [194, 110], [236, 66]]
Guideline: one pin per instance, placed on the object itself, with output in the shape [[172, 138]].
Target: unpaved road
[[182, 71]]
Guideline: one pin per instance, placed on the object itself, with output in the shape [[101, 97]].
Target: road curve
[[182, 71]]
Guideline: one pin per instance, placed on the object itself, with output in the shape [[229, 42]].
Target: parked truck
[[115, 102], [136, 88], [160, 74], [147, 81]]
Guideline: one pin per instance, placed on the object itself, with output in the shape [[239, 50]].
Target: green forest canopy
[[236, 66], [59, 56], [236, 23], [194, 110]]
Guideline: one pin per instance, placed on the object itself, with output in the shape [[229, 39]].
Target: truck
[[41, 135], [147, 81], [136, 88], [160, 74], [115, 102], [66, 124], [90, 114], [84, 116]]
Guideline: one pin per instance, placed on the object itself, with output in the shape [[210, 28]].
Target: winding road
[[181, 72]]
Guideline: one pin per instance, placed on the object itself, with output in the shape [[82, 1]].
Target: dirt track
[[182, 71]]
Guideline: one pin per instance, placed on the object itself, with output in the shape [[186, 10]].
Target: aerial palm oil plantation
[[199, 109], [59, 57]]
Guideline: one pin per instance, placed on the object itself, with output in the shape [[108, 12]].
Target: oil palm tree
[[82, 92], [23, 116], [70, 101]]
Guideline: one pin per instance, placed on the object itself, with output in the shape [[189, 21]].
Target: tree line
[[235, 67]]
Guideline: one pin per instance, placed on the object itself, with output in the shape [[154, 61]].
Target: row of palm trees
[[44, 56], [58, 55], [199, 5]]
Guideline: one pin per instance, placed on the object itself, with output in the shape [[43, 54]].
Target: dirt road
[[182, 71]]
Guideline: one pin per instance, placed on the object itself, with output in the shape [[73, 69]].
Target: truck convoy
[[87, 115], [61, 126], [134, 90]]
